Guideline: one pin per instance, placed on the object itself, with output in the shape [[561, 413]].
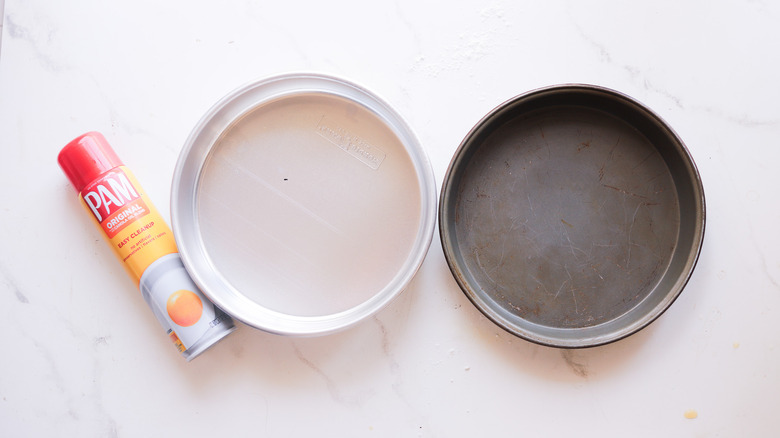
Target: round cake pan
[[302, 204], [572, 216]]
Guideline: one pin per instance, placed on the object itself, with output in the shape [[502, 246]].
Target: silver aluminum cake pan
[[302, 204], [572, 216]]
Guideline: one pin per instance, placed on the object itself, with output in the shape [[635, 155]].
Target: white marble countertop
[[83, 355]]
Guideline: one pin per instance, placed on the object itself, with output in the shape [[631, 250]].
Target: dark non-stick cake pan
[[572, 216]]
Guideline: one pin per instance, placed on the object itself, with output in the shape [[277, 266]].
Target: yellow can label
[[129, 220]]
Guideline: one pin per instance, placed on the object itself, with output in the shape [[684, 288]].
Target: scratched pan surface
[[572, 216]]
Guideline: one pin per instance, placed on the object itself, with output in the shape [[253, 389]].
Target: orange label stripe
[[121, 218]]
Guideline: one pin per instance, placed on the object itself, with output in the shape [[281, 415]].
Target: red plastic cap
[[87, 157]]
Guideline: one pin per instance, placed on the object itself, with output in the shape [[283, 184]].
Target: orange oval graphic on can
[[184, 307]]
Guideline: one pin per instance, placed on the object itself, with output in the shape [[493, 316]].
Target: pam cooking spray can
[[144, 243]]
